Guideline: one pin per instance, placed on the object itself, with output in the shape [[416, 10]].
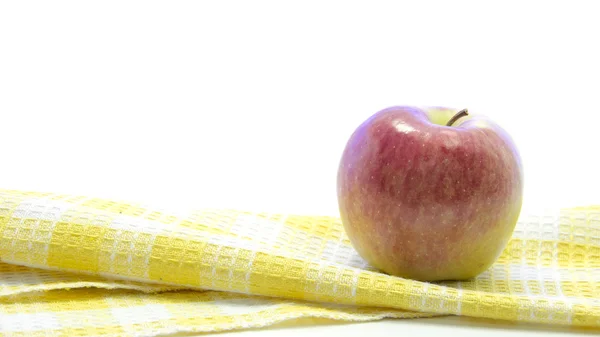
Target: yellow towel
[[83, 266]]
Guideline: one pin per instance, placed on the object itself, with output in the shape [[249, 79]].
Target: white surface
[[249, 103], [438, 326]]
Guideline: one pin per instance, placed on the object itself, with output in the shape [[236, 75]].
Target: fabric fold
[[549, 272]]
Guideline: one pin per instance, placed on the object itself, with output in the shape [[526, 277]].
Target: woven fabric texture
[[83, 266]]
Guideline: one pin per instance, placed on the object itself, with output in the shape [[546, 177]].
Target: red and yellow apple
[[429, 193]]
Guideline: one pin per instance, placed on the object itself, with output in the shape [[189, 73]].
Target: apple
[[429, 193]]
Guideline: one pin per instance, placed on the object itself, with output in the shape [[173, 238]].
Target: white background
[[249, 103]]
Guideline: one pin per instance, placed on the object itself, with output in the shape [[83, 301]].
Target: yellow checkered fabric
[[83, 266]]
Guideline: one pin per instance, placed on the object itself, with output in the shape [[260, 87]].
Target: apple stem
[[462, 113]]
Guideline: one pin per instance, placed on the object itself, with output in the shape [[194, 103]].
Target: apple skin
[[426, 201]]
